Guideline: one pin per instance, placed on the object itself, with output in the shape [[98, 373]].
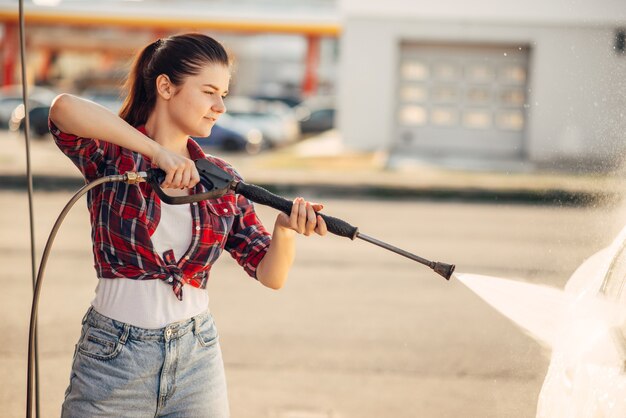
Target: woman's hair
[[177, 57]]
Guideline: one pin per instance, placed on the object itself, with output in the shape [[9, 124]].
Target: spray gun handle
[[264, 197], [216, 181]]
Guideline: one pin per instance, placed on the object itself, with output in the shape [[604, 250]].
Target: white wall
[[536, 11], [578, 100]]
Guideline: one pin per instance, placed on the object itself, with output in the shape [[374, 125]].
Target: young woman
[[149, 346]]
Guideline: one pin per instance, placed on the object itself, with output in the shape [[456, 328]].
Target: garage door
[[462, 100]]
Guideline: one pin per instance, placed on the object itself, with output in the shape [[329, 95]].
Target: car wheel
[[42, 132], [231, 144]]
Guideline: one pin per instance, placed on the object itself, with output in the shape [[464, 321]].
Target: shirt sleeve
[[248, 240], [87, 154]]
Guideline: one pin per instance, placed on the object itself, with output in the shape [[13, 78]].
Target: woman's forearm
[[87, 119], [273, 269]]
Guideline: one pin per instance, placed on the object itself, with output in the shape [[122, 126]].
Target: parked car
[[275, 120], [110, 99], [232, 135], [290, 101], [316, 114], [11, 98], [587, 373], [38, 116], [583, 326]]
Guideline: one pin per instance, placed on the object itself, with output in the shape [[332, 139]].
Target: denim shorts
[[124, 371]]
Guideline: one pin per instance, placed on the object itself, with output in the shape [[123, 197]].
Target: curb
[[555, 197]]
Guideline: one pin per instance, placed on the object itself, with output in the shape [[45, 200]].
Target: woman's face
[[198, 102]]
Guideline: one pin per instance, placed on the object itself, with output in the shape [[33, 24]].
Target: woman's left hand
[[303, 218]]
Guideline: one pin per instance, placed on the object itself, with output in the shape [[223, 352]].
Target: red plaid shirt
[[124, 217]]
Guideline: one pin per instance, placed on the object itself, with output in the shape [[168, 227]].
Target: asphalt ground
[[356, 332]]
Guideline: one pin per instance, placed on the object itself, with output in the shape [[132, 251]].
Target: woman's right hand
[[180, 172]]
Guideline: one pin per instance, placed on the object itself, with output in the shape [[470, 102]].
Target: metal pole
[[29, 178]]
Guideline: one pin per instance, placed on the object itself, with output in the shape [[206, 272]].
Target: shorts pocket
[[206, 333], [100, 344]]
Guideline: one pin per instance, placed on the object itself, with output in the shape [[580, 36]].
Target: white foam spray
[[537, 309], [585, 331]]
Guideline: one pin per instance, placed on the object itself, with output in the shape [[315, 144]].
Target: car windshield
[[255, 115], [613, 285]]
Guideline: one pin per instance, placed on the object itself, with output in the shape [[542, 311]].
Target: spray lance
[[217, 183]]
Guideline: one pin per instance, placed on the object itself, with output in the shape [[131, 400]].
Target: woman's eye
[[208, 92]]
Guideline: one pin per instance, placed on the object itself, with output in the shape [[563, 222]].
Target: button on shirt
[[124, 216]]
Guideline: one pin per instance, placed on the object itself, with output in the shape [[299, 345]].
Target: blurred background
[[485, 134]]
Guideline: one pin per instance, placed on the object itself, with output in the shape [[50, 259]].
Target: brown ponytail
[[177, 57]]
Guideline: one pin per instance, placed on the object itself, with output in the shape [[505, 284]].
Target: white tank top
[[152, 303]]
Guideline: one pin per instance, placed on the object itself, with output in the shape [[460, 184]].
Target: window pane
[[478, 95], [413, 93], [477, 119], [444, 117], [513, 74], [415, 70], [513, 97], [479, 73], [446, 71], [445, 93], [512, 120], [413, 115]]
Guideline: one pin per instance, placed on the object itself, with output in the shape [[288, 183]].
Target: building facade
[[503, 83]]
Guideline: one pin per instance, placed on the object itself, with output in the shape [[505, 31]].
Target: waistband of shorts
[[131, 332]]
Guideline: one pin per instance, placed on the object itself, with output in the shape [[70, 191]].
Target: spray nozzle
[[444, 269]]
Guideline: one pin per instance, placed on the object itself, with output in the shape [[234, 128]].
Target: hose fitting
[[132, 177]]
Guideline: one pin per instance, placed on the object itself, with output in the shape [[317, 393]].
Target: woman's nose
[[219, 106]]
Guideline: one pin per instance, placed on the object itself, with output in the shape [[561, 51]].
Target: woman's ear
[[164, 86]]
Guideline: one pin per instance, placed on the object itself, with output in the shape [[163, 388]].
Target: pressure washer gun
[[218, 182]]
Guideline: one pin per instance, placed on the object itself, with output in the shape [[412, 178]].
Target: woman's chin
[[203, 132]]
